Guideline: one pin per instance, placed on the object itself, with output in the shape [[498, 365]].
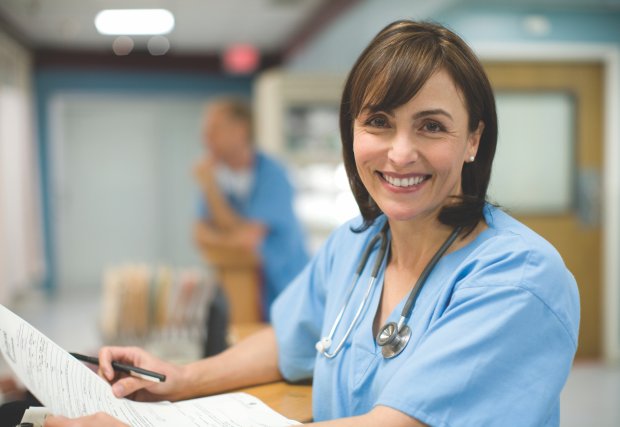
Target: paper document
[[66, 387]]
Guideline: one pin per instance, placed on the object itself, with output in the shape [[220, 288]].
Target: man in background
[[248, 231]]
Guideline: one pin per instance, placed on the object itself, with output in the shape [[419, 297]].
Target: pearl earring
[[471, 159]]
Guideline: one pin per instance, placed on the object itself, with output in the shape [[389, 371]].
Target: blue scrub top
[[270, 202], [494, 332]]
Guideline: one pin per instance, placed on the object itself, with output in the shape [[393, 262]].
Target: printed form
[[66, 387]]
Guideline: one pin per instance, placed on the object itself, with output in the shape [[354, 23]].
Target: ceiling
[[202, 26], [62, 32]]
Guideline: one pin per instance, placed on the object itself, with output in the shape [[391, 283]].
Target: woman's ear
[[473, 142]]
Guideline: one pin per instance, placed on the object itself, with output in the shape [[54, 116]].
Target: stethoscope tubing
[[353, 322], [324, 344], [413, 296], [381, 236]]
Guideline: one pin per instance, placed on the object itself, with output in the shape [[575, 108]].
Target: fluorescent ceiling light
[[134, 21]]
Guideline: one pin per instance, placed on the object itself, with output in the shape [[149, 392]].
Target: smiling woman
[[410, 158], [481, 314], [400, 69]]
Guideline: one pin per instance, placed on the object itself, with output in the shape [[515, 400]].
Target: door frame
[[609, 56]]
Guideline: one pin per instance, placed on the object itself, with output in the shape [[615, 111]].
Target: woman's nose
[[403, 149]]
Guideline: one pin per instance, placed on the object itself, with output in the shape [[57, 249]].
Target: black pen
[[132, 370]]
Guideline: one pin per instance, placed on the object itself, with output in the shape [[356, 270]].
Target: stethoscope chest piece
[[393, 339]]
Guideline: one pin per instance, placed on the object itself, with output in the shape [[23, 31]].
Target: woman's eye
[[433, 127], [377, 122]]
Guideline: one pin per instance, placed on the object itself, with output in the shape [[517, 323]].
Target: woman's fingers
[[96, 420], [57, 421], [129, 355], [128, 385], [125, 385]]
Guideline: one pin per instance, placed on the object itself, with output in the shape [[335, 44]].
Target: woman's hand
[[124, 385], [99, 419]]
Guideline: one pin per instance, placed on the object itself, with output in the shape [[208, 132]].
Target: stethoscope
[[393, 337]]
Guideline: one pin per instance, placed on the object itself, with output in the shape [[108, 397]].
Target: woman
[[493, 327]]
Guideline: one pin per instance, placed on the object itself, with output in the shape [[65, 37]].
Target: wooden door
[[577, 239]]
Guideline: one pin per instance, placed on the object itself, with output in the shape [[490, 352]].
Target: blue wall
[[338, 46], [506, 24]]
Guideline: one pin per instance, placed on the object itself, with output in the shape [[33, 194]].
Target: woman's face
[[410, 159]]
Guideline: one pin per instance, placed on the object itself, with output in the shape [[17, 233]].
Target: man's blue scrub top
[[494, 332], [283, 251]]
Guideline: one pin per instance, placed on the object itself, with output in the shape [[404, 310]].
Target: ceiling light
[[537, 25], [134, 21]]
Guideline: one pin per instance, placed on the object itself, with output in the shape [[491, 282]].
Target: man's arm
[[223, 216], [227, 238], [247, 236]]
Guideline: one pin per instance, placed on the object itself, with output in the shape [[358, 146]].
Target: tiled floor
[[591, 396]]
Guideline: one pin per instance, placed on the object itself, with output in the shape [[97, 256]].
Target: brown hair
[[237, 108], [391, 71]]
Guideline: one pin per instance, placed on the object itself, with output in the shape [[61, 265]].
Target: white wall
[[122, 184], [21, 252]]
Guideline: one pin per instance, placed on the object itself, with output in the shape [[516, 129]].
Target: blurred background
[[98, 133]]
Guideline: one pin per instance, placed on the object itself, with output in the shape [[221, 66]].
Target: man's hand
[[204, 172]]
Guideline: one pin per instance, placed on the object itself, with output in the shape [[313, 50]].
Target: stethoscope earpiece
[[323, 345]]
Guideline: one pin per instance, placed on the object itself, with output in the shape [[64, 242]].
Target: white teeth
[[404, 182]]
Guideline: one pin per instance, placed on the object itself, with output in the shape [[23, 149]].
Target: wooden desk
[[292, 401]]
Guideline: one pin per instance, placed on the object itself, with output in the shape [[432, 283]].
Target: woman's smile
[[403, 182]]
